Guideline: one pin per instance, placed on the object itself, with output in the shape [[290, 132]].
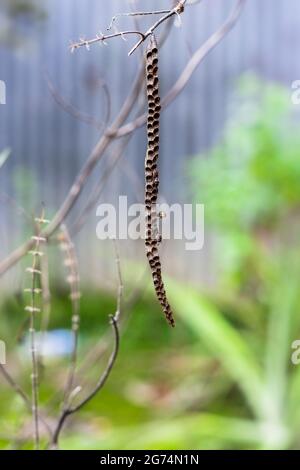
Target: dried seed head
[[152, 235]]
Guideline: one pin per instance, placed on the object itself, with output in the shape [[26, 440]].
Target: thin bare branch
[[33, 310], [46, 305], [136, 13], [119, 129], [177, 10], [71, 109], [120, 283], [114, 320], [115, 156], [102, 38], [71, 264], [113, 159], [190, 68]]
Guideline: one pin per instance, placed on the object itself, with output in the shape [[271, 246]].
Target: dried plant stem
[[119, 129], [34, 375], [153, 238], [33, 310], [46, 301], [100, 384], [177, 10], [114, 321], [197, 58], [101, 38], [120, 283], [136, 13], [114, 158], [116, 154], [71, 264]]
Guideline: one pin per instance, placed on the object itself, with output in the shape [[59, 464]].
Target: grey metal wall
[[52, 146]]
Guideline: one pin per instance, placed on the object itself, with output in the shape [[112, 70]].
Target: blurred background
[[225, 377]]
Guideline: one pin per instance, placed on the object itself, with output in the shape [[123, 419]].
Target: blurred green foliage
[[250, 187], [19, 8]]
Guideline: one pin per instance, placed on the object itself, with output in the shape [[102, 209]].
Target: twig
[[190, 68], [119, 129], [136, 13], [100, 384], [177, 10], [46, 303], [101, 38], [71, 264], [76, 113], [114, 320], [15, 386], [120, 283], [113, 159], [95, 355], [117, 154]]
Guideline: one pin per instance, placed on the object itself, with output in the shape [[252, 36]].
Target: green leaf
[[281, 327]]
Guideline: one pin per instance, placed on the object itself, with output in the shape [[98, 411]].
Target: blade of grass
[[280, 336]]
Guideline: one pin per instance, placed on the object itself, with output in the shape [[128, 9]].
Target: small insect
[[153, 237]]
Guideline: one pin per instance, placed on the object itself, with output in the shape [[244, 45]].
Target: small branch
[[101, 38], [73, 279], [120, 282], [179, 8], [120, 129], [100, 384], [136, 13], [75, 112], [190, 68], [114, 320], [107, 371], [113, 160]]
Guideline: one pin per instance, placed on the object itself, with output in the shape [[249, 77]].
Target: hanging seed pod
[[153, 237]]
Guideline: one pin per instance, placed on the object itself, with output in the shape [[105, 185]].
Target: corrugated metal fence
[[49, 146]]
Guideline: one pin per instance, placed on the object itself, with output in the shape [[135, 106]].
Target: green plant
[[250, 187]]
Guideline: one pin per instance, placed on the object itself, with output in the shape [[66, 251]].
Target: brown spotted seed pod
[[153, 238]]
